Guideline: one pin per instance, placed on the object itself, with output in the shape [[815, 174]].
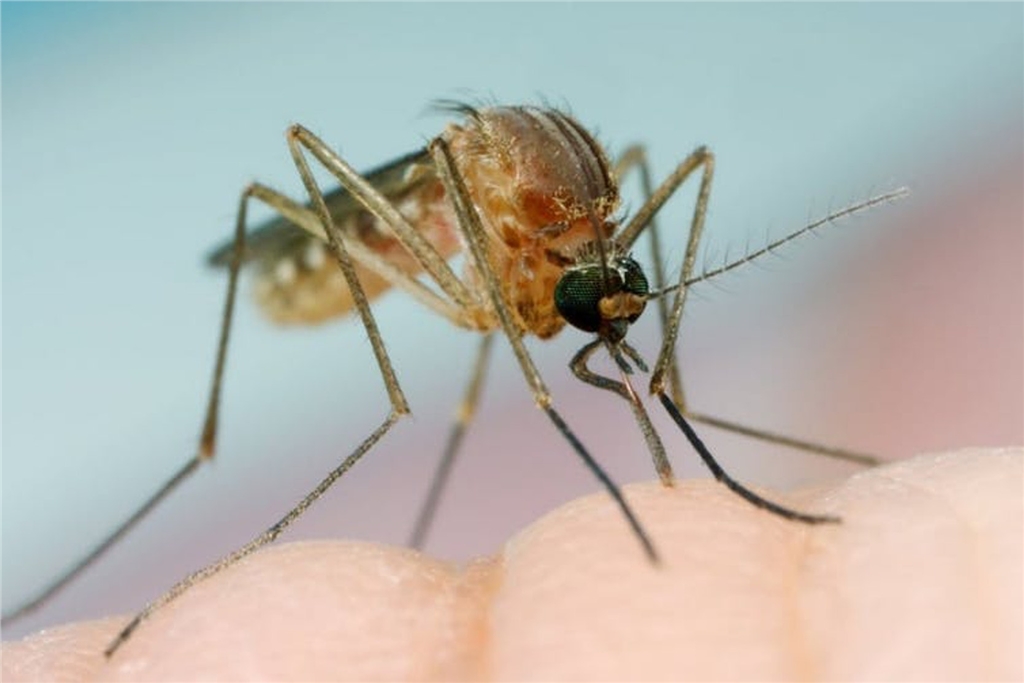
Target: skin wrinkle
[[470, 623], [796, 641], [803, 660], [475, 591], [922, 492], [983, 602]]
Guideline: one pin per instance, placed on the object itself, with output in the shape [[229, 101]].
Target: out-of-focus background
[[128, 131]]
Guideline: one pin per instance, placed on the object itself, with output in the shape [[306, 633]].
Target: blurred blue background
[[129, 130]]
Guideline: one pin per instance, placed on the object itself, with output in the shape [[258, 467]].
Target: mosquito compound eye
[[577, 295]]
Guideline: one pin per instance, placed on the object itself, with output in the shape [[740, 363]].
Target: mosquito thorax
[[602, 299]]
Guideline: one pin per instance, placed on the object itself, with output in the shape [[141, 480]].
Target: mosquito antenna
[[770, 248]]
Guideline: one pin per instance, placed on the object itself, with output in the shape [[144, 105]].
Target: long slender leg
[[635, 157], [377, 204], [55, 587], [734, 485], [700, 158], [399, 405], [783, 440], [463, 416], [578, 365], [263, 539], [472, 229], [309, 220], [206, 443]]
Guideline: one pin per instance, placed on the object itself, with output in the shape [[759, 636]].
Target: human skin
[[922, 581]]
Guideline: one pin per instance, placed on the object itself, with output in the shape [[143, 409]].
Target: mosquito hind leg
[[399, 405], [103, 546], [207, 440], [463, 416]]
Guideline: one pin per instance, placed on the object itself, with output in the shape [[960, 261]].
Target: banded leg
[[700, 158], [472, 229], [635, 157], [463, 416]]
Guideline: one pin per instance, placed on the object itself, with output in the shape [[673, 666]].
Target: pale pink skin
[[922, 581]]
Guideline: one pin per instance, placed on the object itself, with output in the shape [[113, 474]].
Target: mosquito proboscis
[[532, 200]]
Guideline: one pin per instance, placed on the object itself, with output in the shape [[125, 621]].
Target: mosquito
[[532, 200]]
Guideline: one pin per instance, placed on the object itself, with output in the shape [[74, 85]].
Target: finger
[[922, 580]]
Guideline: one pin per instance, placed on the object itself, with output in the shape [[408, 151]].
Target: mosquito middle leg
[[463, 416], [472, 229]]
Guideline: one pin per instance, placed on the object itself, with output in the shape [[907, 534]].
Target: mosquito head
[[602, 297]]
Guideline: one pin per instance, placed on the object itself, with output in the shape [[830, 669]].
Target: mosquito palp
[[530, 198]]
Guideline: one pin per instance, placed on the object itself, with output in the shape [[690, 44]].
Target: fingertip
[[320, 610], [923, 578]]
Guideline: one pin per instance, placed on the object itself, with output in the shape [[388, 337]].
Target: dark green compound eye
[[579, 291], [576, 296]]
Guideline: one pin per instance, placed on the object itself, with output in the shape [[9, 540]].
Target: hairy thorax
[[542, 187]]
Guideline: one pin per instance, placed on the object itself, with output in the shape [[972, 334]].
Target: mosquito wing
[[297, 279]]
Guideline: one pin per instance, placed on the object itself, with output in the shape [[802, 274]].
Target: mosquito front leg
[[636, 157], [700, 158], [760, 434], [473, 231]]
